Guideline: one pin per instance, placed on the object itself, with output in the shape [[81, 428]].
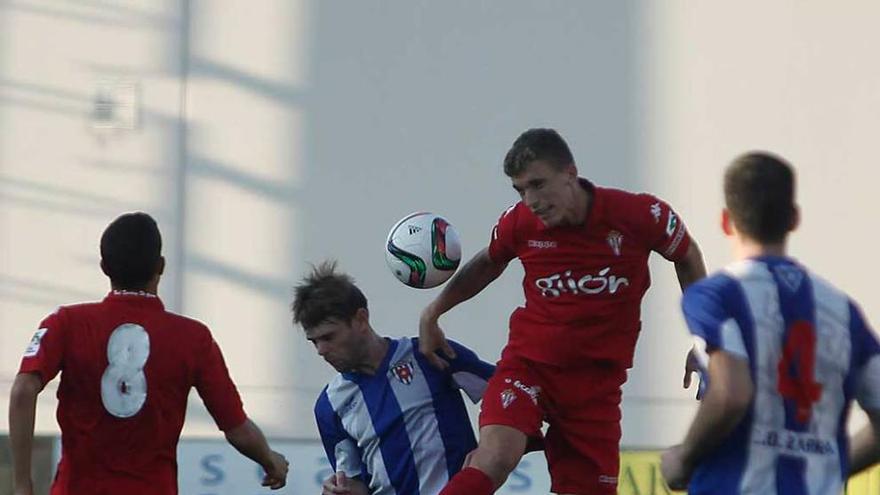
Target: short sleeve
[[706, 306], [502, 245], [216, 387], [45, 351], [662, 228], [469, 372], [866, 357], [341, 449]]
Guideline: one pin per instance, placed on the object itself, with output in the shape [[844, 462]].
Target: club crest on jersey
[[615, 240], [403, 371], [656, 212], [507, 397]]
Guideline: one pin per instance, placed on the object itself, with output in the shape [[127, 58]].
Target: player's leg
[[583, 441], [510, 414], [500, 449], [587, 464]]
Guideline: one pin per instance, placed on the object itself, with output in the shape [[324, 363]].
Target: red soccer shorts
[[582, 407]]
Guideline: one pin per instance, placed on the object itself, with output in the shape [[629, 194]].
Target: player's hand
[[676, 472], [432, 341], [25, 488], [336, 484], [691, 366], [276, 471]]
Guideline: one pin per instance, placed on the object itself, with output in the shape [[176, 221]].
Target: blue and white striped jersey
[[404, 430], [810, 353]]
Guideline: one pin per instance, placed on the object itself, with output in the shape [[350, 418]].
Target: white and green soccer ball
[[423, 250]]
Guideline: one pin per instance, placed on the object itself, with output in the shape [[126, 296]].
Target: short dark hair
[[324, 295], [759, 193], [131, 247], [537, 144]]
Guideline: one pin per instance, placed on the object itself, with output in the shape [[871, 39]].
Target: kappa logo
[[404, 372], [507, 397], [615, 240], [533, 392], [413, 229], [542, 244], [656, 212]]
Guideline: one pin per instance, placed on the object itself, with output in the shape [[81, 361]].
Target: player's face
[[549, 192], [338, 342]]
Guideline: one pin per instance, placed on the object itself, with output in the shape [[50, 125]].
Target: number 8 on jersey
[[124, 385]]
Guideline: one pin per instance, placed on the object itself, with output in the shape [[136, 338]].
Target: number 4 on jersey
[[796, 370]]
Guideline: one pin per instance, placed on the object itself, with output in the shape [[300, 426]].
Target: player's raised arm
[[472, 278]]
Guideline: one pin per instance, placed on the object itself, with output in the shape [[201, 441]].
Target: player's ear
[[726, 222], [104, 267], [571, 170], [362, 317], [160, 266], [795, 218]]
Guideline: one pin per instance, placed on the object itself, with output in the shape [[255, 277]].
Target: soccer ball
[[423, 250]]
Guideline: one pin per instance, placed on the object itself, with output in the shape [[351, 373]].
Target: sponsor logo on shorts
[[533, 392], [507, 397], [607, 480]]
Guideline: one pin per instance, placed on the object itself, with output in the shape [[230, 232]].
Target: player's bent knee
[[499, 452], [496, 465]]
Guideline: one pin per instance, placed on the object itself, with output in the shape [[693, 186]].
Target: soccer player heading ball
[[785, 354], [585, 252]]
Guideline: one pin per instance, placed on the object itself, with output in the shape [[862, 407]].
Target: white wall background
[[275, 133]]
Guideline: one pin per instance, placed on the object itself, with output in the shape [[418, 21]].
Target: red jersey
[[584, 284], [127, 368]]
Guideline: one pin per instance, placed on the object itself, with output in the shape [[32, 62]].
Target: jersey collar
[[138, 298], [356, 377], [595, 205], [594, 208]]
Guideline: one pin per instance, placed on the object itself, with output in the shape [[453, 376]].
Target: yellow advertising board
[[640, 475]]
